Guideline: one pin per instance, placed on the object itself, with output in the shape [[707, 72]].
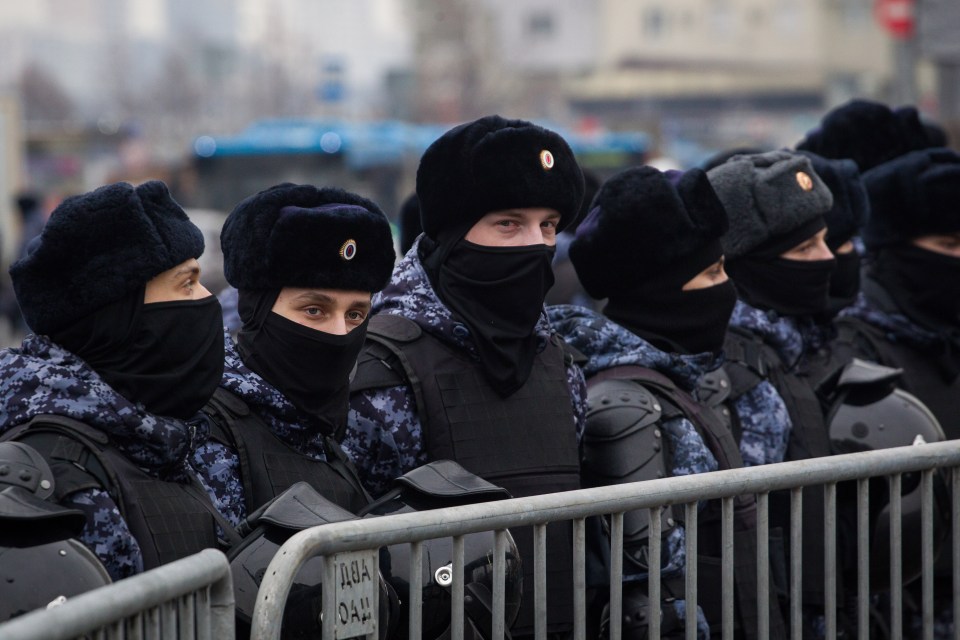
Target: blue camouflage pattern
[[606, 344], [897, 327], [765, 422], [106, 533], [765, 425], [779, 332], [43, 378], [384, 437]]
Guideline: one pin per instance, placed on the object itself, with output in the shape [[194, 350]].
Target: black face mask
[[695, 321], [310, 368], [845, 282], [166, 355], [498, 292], [925, 284], [789, 287]]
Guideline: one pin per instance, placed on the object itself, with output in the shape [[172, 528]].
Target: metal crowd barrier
[[351, 544], [191, 598]]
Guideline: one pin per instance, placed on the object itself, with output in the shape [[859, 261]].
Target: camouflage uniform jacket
[[43, 378], [607, 345], [763, 416], [384, 436], [219, 466]]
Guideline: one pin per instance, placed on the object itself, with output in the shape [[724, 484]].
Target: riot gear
[[860, 421], [40, 564], [439, 484], [298, 508]]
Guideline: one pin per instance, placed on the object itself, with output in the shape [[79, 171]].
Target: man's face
[[812, 249], [328, 310], [182, 282], [515, 228], [709, 277], [947, 244]]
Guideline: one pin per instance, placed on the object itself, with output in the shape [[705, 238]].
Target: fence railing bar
[[456, 590], [726, 564], [896, 558], [499, 583], [830, 558], [796, 563], [579, 581], [540, 581], [763, 565], [690, 584], [653, 562], [416, 595], [863, 559], [616, 576], [535, 510], [926, 517]]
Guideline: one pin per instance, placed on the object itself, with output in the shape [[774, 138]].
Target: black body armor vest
[[676, 403], [525, 443], [269, 466], [169, 520]]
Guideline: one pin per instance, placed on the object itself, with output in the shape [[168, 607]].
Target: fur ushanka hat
[[869, 133], [493, 164], [851, 207], [766, 196], [300, 236], [644, 224], [914, 195], [99, 247]]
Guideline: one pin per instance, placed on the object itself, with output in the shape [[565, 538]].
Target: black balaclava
[[310, 368], [925, 284], [498, 292], [661, 312], [166, 355], [844, 282], [790, 287]]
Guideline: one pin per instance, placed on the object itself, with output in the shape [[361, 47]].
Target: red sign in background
[[896, 16]]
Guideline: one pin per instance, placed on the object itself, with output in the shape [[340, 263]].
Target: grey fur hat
[[767, 195]]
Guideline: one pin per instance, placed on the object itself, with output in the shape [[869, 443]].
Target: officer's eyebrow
[[313, 296], [187, 270]]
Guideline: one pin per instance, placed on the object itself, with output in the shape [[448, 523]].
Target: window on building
[[653, 22]]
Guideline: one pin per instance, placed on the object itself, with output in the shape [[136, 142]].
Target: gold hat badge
[[348, 250]]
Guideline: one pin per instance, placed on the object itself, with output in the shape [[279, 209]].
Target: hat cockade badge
[[805, 181], [546, 159], [348, 251]]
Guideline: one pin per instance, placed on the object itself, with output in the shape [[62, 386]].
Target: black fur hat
[[492, 164], [97, 248], [851, 207], [869, 133], [767, 195], [645, 223], [409, 222], [914, 195], [294, 235]]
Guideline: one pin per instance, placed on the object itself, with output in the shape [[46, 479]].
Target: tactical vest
[[269, 466], [676, 403], [169, 520], [921, 374], [750, 360], [525, 443]]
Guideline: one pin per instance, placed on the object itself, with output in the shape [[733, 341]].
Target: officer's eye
[[315, 312], [356, 316]]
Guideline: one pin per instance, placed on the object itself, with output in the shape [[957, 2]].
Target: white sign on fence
[[356, 589]]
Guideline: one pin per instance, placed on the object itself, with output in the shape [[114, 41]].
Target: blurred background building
[[224, 97]]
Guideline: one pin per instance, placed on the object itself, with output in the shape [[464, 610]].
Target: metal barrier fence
[[348, 545], [191, 598]]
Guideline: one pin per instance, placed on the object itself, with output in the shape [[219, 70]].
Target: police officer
[[651, 246], [127, 347], [460, 360], [305, 262]]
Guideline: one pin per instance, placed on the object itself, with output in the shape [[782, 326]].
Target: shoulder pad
[[898, 419], [714, 387], [300, 507], [745, 350], [861, 372], [393, 327], [446, 483], [618, 408]]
